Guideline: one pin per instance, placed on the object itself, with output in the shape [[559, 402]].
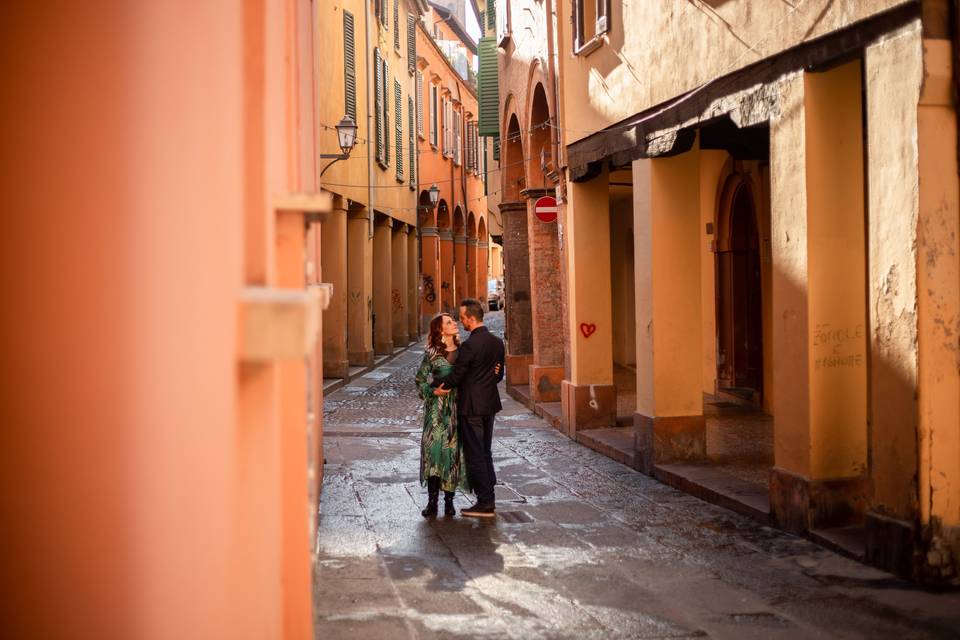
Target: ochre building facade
[[759, 256]]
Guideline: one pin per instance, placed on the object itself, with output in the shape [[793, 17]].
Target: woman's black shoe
[[433, 493], [448, 509]]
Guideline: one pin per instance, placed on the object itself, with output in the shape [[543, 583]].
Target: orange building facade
[[161, 440], [454, 237]]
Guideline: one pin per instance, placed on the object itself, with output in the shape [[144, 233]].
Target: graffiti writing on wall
[[354, 296], [587, 329], [840, 341], [397, 300], [428, 291]]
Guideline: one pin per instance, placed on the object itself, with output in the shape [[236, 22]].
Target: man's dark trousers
[[476, 436]]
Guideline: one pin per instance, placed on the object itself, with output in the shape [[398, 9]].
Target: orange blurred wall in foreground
[[159, 158]]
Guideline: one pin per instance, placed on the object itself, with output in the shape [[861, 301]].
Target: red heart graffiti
[[587, 329]]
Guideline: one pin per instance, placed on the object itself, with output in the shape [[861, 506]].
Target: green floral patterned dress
[[440, 452]]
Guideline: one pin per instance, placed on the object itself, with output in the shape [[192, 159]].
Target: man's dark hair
[[473, 308]]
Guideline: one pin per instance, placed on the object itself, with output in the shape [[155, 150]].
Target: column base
[[668, 439], [401, 340], [545, 383], [360, 358], [336, 369], [587, 406], [798, 504], [384, 348], [518, 369], [891, 544]]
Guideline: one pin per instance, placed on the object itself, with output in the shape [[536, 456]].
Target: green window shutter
[[398, 122], [489, 99], [349, 67], [378, 91], [411, 43], [492, 15], [413, 144], [496, 148], [483, 20]]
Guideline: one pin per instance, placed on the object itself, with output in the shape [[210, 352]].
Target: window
[[434, 117], [411, 43], [396, 24], [398, 127], [456, 137], [503, 21], [418, 86], [385, 92], [447, 128], [413, 144], [381, 10], [591, 19], [349, 67], [378, 102]]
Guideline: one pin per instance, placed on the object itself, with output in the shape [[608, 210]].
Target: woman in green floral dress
[[441, 456]]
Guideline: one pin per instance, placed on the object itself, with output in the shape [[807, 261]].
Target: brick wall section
[[546, 300], [519, 330]]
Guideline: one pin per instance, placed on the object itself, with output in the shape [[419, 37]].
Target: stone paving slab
[[583, 548]]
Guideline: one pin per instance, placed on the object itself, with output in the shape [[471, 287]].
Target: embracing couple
[[458, 386]]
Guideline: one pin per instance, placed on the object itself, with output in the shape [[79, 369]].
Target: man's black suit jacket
[[473, 374]]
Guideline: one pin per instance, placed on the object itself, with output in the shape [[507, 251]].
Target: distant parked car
[[495, 293]]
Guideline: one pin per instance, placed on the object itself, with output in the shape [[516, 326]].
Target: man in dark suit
[[478, 369]]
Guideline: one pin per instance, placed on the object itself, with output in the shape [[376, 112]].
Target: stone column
[[383, 285], [460, 271], [669, 419], [413, 286], [430, 279], [333, 270], [519, 328], [445, 281], [546, 372], [398, 290], [472, 268], [819, 296], [359, 289], [913, 281], [588, 395], [482, 271]]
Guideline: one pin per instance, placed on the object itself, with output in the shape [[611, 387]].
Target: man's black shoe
[[479, 511]]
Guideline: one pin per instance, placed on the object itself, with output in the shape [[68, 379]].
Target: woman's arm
[[424, 390]]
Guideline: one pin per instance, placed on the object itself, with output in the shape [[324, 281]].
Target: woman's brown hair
[[435, 343]]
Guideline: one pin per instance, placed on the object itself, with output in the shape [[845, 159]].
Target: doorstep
[[850, 541], [617, 443], [549, 411], [714, 485]]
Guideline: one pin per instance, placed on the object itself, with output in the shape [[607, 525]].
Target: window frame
[[602, 10]]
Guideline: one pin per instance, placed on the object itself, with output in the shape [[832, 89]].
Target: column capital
[[383, 221], [445, 234], [399, 227], [517, 205], [460, 239], [472, 242], [533, 194]]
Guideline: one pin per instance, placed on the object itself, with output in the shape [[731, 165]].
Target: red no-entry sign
[[546, 209]]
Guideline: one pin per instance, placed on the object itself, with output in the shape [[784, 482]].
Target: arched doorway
[[540, 136], [739, 295]]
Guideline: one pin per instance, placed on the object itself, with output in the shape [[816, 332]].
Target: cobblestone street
[[582, 547]]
